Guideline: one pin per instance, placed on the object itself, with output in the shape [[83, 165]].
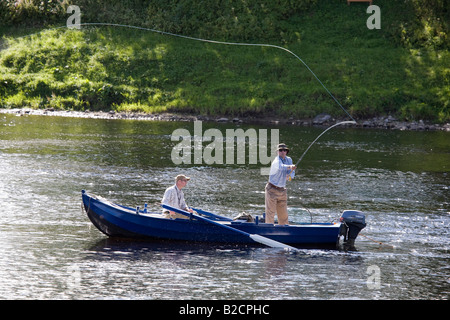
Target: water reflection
[[204, 270]]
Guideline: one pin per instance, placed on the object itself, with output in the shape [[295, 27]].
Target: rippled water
[[50, 250]]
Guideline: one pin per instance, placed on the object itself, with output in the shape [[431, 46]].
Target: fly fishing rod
[[234, 44]]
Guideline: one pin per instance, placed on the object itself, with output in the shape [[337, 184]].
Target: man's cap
[[283, 146], [182, 177]]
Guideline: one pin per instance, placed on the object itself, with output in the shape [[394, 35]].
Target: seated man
[[174, 197]]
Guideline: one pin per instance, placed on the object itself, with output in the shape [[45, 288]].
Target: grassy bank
[[396, 70]]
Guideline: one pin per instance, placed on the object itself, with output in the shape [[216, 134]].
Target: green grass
[[371, 72]]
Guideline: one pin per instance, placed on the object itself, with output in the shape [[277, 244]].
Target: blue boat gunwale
[[118, 220], [225, 220]]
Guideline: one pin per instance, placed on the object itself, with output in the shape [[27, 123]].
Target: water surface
[[50, 250]]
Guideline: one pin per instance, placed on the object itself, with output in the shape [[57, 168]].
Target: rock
[[322, 118], [367, 124], [391, 118], [384, 122], [413, 126]]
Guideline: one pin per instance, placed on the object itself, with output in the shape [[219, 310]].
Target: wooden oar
[[255, 237]]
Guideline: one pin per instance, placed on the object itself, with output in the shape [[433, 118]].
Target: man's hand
[[288, 176]]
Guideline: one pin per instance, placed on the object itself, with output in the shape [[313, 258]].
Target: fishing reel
[[352, 222]]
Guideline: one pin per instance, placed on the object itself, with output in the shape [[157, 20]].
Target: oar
[[211, 215], [255, 237]]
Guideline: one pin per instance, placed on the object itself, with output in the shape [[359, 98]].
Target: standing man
[[174, 197], [275, 191]]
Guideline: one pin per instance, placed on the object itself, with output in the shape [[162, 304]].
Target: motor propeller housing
[[353, 222]]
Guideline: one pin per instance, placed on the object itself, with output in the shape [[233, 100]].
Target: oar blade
[[271, 243], [255, 237]]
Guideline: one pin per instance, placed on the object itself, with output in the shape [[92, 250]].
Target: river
[[50, 250]]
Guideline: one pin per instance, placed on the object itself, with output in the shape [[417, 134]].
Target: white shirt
[[174, 197], [279, 170]]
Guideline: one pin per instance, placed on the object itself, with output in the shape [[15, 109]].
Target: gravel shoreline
[[387, 122]]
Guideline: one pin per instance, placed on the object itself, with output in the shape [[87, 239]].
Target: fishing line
[[331, 127], [224, 43], [210, 41], [236, 44]]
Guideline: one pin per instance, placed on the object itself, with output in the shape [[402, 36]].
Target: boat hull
[[119, 221]]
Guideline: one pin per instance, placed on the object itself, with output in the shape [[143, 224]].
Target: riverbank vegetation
[[402, 69]]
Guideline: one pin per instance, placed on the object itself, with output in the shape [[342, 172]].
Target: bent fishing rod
[[335, 125], [329, 128]]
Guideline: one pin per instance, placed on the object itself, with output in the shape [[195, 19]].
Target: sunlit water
[[50, 250]]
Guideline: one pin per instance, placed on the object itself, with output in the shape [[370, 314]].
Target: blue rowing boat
[[116, 220]]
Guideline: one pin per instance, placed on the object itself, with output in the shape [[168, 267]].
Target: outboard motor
[[352, 223]]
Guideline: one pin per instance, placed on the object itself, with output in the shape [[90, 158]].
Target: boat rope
[[209, 41], [379, 242]]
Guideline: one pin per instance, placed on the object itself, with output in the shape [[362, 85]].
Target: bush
[[31, 12]]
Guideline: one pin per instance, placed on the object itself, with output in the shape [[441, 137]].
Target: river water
[[50, 250]]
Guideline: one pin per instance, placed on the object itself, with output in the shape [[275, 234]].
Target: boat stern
[[352, 222]]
